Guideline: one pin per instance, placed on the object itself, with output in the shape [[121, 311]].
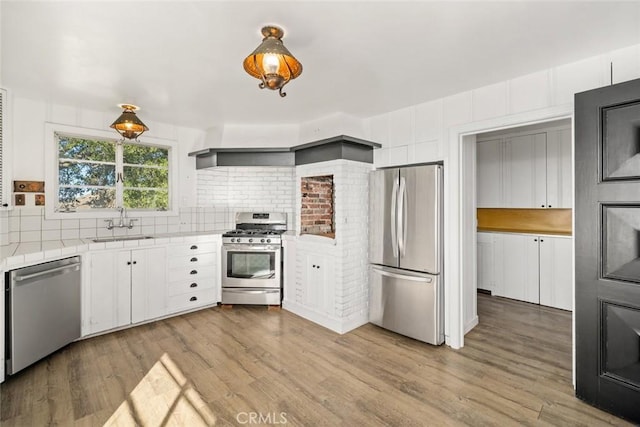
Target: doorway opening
[[478, 247]]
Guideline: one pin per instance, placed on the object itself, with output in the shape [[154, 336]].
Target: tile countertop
[[20, 254]]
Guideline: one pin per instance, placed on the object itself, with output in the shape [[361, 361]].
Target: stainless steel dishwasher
[[43, 311]]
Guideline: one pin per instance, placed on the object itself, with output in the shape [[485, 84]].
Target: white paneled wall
[[420, 133], [28, 117], [248, 188], [431, 132]]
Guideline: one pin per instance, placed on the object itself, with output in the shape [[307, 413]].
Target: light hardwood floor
[[231, 367]]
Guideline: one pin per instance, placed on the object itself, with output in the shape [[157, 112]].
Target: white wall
[[247, 188], [28, 119], [433, 131]]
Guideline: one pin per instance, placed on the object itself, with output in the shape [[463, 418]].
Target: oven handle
[[240, 291], [245, 248]]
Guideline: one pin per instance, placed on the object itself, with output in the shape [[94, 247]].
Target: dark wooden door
[[607, 239]]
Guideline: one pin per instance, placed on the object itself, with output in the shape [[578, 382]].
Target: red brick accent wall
[[316, 215]]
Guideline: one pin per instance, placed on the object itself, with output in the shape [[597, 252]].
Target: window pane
[[146, 199], [86, 149], [87, 198], [145, 155], [146, 177], [72, 173]]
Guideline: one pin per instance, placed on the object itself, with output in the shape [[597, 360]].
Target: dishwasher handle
[[70, 267]]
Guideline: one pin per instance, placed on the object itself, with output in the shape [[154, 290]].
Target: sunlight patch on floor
[[163, 397]]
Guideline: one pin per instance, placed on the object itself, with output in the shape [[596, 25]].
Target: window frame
[[52, 178]]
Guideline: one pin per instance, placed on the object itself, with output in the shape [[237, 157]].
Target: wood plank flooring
[[250, 365]]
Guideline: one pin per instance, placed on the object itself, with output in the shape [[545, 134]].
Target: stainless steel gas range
[[251, 259]]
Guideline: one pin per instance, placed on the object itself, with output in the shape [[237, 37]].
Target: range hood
[[337, 147]]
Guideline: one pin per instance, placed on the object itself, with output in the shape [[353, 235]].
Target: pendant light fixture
[[271, 62], [128, 124]]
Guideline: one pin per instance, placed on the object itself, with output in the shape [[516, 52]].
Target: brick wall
[[316, 212]]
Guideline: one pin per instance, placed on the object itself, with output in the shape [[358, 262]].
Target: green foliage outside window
[[88, 176]]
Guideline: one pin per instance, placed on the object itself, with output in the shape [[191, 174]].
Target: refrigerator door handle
[[402, 216], [394, 225], [384, 272]]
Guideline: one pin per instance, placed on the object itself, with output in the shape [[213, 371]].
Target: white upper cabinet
[[525, 171], [489, 175], [559, 172]]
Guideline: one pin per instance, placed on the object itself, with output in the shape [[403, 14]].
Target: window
[[93, 172]]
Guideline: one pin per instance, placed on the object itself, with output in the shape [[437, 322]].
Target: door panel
[[607, 213], [381, 184], [421, 248]]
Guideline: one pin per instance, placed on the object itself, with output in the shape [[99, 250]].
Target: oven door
[[250, 266]]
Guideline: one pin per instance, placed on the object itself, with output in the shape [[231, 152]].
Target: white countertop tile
[[18, 254]]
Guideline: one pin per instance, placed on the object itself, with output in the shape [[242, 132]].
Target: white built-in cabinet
[[316, 283], [525, 171], [124, 287], [129, 286], [527, 267]]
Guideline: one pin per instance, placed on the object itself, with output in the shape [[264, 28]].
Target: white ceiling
[[181, 61]]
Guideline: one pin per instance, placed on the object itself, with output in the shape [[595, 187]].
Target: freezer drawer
[[407, 303]]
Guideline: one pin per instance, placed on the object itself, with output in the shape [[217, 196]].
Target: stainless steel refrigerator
[[405, 251]]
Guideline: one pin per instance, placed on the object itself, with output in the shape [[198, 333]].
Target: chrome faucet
[[121, 224], [122, 214]]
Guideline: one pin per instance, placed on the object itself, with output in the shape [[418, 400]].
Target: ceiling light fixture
[[271, 62], [128, 124]]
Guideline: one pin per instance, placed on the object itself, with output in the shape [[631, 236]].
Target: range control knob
[[268, 240], [233, 240], [238, 240], [250, 240], [261, 240]]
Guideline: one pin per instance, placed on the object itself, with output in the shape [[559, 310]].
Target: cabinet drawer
[[189, 273], [195, 259], [192, 248], [187, 286], [191, 300]]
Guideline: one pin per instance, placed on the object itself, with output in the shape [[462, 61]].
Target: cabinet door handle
[[535, 240], [135, 262], [194, 259], [542, 240], [549, 205], [128, 262], [193, 299], [193, 272], [193, 247], [542, 206], [193, 285], [313, 266]]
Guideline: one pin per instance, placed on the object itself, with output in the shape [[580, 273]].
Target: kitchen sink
[[120, 238]]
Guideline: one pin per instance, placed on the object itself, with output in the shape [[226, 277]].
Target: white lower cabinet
[[518, 276], [556, 272], [527, 267], [316, 282], [124, 286], [194, 279]]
